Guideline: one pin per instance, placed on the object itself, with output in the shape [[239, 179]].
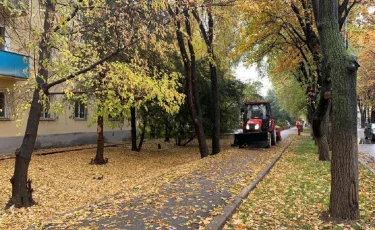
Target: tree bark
[[99, 157], [208, 38], [142, 134], [322, 141], [323, 148], [21, 186], [167, 131], [191, 81], [368, 115], [193, 99], [330, 136], [133, 129], [363, 119], [342, 68], [216, 108], [361, 112], [188, 141], [21, 195]]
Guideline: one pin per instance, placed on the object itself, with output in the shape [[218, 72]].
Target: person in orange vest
[[298, 124]]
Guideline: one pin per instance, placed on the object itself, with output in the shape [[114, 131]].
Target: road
[[367, 146], [287, 132]]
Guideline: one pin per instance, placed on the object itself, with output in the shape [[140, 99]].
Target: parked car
[[370, 131]]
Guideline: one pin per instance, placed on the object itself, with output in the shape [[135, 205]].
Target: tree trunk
[[342, 68], [21, 191], [323, 142], [330, 136], [188, 141], [216, 108], [368, 115], [21, 186], [167, 131], [133, 129], [99, 157], [361, 112], [208, 37], [323, 148], [363, 119], [193, 94], [142, 134], [191, 81]]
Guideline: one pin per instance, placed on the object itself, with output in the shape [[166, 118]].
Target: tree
[[291, 97], [280, 115], [208, 37], [365, 86], [289, 46], [21, 186], [342, 70], [189, 60], [62, 34]]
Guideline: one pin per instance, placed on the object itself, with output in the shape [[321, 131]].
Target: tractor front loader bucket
[[251, 139]]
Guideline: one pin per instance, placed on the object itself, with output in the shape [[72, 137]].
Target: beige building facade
[[73, 126]]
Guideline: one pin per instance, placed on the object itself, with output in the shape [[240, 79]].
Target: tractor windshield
[[256, 111]]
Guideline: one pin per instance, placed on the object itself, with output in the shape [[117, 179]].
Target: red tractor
[[257, 126]]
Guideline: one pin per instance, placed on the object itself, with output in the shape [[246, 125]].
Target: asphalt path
[[365, 146]]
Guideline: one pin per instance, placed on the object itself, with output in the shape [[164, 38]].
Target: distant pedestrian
[[298, 125]]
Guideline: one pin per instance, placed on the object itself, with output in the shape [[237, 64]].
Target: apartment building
[[69, 128]]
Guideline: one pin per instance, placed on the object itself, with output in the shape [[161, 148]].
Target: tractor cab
[[256, 116], [257, 126]]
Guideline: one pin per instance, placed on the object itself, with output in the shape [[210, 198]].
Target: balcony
[[14, 65], [15, 8]]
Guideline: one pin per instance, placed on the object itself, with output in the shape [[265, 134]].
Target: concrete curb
[[366, 166], [219, 221]]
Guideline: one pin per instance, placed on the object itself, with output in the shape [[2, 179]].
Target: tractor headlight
[[256, 126], [247, 126]]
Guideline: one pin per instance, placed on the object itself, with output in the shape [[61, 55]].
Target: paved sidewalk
[[187, 197], [366, 149]]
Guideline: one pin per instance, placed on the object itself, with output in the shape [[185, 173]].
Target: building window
[[2, 38], [46, 106], [80, 111], [3, 113]]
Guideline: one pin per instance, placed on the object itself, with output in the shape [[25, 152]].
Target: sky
[[245, 74]]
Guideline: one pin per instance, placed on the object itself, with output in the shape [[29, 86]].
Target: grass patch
[[306, 146], [296, 193]]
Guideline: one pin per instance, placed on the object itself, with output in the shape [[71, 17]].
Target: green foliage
[[278, 113], [291, 97], [251, 91]]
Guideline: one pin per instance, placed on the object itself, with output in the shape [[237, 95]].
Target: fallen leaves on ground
[[69, 194], [296, 193], [368, 160], [65, 181], [187, 196]]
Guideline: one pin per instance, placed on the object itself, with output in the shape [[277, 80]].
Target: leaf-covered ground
[[68, 196], [368, 160], [295, 195], [65, 181], [186, 197]]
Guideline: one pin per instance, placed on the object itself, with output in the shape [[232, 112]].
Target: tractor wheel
[[269, 141], [273, 137]]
